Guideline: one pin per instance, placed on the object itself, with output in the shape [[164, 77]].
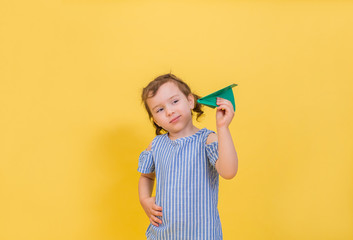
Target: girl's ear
[[191, 100]]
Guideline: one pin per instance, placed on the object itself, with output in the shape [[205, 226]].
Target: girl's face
[[170, 108]]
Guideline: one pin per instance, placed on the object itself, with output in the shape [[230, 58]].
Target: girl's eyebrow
[[168, 99]]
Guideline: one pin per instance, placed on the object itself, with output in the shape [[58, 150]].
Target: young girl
[[185, 161]]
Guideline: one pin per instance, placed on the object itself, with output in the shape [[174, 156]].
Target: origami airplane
[[211, 99]]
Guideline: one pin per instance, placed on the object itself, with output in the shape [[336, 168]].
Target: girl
[[185, 161]]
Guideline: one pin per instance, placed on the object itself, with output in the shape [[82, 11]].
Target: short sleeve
[[212, 152], [146, 163]]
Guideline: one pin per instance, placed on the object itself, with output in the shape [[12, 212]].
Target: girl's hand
[[225, 113], [152, 210]]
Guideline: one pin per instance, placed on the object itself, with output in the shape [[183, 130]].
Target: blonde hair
[[151, 89]]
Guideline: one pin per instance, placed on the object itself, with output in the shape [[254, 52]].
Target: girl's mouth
[[174, 119]]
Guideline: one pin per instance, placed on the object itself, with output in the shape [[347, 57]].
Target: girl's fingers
[[224, 107], [222, 101], [156, 220], [156, 213], [153, 222], [156, 207]]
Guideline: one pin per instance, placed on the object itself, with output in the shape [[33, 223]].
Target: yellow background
[[72, 125]]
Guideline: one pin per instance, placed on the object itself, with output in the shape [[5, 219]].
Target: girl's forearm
[[145, 187], [227, 163]]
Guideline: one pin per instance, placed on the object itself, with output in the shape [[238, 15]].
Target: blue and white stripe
[[186, 188]]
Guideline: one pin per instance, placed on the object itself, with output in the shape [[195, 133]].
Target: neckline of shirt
[[187, 137]]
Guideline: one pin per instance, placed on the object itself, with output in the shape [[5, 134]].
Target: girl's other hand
[[152, 210], [225, 113]]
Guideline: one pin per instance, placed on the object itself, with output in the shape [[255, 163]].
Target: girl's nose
[[169, 111]]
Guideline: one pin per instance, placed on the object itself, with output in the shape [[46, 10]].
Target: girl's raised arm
[[227, 163]]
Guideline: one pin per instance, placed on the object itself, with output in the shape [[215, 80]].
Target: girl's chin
[[174, 129]]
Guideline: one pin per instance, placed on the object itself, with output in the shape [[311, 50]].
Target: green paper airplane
[[211, 99]]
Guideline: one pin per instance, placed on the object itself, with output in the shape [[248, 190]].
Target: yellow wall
[[72, 125]]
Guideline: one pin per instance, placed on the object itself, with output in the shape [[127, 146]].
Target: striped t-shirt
[[186, 187]]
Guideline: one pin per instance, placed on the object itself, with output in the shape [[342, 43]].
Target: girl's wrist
[[222, 128], [143, 199]]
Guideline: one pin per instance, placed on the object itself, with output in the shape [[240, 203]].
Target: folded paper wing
[[211, 99]]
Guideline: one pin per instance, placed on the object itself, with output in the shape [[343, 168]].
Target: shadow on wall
[[116, 208]]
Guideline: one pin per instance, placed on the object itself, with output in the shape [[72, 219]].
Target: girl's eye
[[159, 109], [176, 100]]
